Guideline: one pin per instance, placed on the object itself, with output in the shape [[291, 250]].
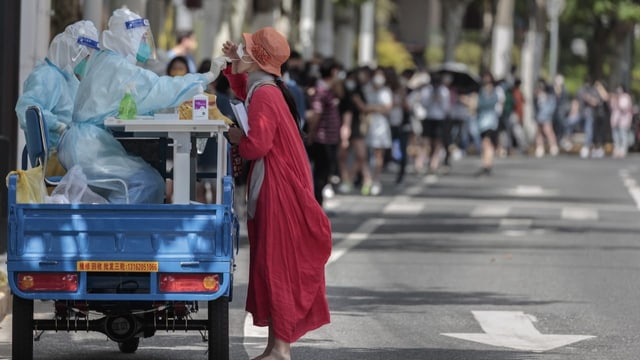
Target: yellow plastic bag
[[30, 187]]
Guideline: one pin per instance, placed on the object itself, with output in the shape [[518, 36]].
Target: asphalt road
[[537, 261]]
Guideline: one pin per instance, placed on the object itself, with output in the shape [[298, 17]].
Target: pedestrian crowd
[[361, 122]]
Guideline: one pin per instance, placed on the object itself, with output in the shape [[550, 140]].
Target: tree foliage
[[588, 11]]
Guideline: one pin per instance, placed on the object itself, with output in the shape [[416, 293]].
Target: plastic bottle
[[128, 110], [201, 106]]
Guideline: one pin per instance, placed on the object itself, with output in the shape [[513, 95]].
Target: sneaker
[[457, 154], [584, 152], [327, 192], [598, 153], [365, 190], [345, 188], [554, 150], [539, 151], [376, 189]]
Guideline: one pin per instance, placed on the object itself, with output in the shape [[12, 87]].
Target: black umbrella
[[462, 79]]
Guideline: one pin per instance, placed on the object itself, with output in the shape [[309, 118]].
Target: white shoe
[[376, 189], [584, 152], [598, 153], [554, 150], [539, 152], [328, 191]]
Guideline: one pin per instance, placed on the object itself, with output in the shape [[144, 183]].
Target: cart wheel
[[129, 346], [218, 326], [22, 337]]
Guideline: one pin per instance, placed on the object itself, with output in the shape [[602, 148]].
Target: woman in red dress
[[289, 233]]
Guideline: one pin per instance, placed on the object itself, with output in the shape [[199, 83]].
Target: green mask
[[81, 67]]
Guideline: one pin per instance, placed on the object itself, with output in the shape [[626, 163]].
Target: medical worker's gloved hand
[[217, 64]]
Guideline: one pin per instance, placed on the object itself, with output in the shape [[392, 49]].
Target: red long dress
[[290, 235]]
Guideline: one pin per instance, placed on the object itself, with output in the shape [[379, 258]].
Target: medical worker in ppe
[[129, 40], [110, 72], [53, 83]]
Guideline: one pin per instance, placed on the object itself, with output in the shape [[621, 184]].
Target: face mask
[[144, 52], [378, 80], [80, 68], [241, 54], [350, 85]]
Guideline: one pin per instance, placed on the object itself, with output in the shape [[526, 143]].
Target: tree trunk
[[502, 39], [454, 11], [487, 33], [620, 63], [598, 50], [214, 21], [324, 30], [307, 27], [266, 13], [532, 55], [366, 41], [346, 32]]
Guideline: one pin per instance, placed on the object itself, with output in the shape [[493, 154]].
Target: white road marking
[[490, 211], [514, 330], [528, 190], [515, 223], [404, 205], [355, 238], [632, 186], [579, 213], [258, 334]]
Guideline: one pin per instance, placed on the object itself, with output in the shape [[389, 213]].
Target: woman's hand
[[235, 134], [230, 50]]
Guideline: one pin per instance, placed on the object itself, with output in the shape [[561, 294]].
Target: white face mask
[[242, 55], [378, 80], [350, 85]]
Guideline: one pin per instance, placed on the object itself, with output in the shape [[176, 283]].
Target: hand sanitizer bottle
[[201, 106], [128, 110]]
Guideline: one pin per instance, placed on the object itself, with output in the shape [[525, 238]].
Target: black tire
[[129, 346], [22, 336], [218, 326]]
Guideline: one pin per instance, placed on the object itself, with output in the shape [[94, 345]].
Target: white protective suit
[[52, 85], [109, 73]]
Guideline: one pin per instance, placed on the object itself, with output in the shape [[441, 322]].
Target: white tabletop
[[151, 125], [181, 131]]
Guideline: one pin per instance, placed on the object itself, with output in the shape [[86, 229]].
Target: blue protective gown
[[106, 80], [101, 156], [54, 91]]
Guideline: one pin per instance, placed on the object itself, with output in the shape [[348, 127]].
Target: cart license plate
[[117, 266]]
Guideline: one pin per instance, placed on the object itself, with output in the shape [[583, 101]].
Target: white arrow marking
[[515, 330]]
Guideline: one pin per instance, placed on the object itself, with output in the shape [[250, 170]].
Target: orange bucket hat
[[268, 48]]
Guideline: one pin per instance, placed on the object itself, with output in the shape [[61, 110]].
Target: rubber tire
[[129, 346], [22, 333], [218, 327]]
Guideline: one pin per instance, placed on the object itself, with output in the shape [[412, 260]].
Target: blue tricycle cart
[[126, 270]]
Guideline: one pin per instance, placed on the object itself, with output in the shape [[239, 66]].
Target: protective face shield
[[129, 35], [73, 46], [147, 47], [80, 59]]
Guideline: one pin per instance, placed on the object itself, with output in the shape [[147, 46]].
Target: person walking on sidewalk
[[545, 107]]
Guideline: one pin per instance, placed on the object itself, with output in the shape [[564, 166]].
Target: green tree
[[609, 25]]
